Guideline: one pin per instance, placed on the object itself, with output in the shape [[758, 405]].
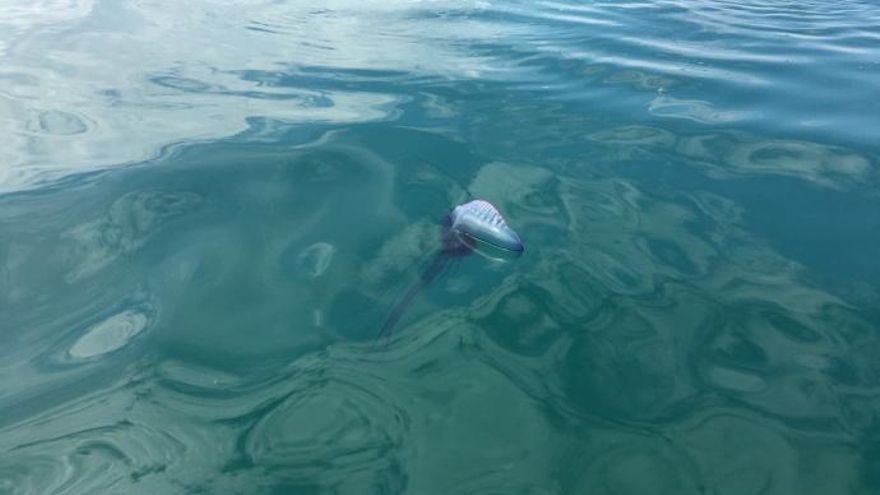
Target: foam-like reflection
[[109, 335], [315, 259], [700, 111]]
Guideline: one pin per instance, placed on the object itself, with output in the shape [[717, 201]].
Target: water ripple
[[90, 459], [695, 312], [331, 429], [130, 221]]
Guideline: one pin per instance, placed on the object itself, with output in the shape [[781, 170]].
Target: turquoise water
[[207, 208]]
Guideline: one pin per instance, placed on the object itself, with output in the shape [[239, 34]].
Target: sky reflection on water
[[207, 207]]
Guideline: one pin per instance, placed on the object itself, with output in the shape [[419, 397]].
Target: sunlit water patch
[[109, 335]]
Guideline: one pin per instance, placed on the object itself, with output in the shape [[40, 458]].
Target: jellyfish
[[472, 227]]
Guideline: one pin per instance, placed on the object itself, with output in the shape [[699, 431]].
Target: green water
[[207, 210]]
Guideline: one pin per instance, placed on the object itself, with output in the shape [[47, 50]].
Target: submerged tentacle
[[436, 266]]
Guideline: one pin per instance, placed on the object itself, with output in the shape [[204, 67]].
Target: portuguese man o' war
[[475, 226]]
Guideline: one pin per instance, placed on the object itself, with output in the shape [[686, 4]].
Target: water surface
[[207, 207]]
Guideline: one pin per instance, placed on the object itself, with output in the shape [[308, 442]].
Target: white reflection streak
[[78, 80]]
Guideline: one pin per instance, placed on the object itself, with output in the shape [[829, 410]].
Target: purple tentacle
[[437, 265], [451, 246]]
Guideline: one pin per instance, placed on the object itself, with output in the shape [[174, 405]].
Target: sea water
[[207, 209]]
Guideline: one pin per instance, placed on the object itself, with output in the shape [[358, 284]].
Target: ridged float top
[[480, 220]]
